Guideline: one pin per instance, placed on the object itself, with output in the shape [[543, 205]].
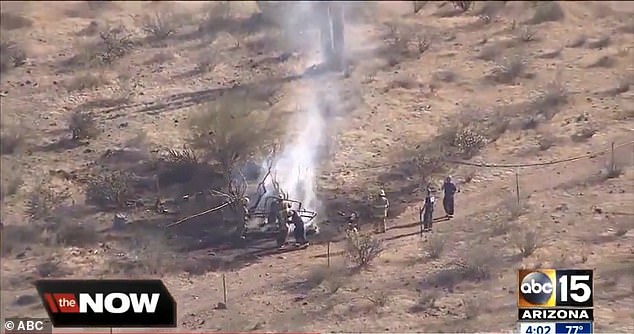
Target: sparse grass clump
[[363, 248], [380, 298], [435, 246], [109, 189], [426, 300], [11, 137], [112, 44], [231, 130], [10, 21], [82, 125], [157, 26], [11, 181], [11, 55], [462, 5], [44, 199], [527, 241], [469, 140], [472, 308], [528, 35], [508, 70], [478, 264], [546, 11], [86, 81]]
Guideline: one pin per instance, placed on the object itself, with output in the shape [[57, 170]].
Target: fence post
[[517, 186], [612, 162], [224, 289], [328, 253]]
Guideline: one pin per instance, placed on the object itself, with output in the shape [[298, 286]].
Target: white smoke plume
[[296, 166]]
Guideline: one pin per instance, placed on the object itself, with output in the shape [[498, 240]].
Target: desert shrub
[[478, 264], [546, 100], [515, 209], [86, 81], [11, 55], [379, 298], [363, 248], [545, 142], [230, 130], [418, 5], [429, 161], [207, 61], [10, 21], [507, 70], [489, 53], [11, 181], [82, 125], [426, 300], [157, 26], [462, 5], [526, 241], [423, 43], [612, 169], [472, 308], [435, 246], [109, 189], [112, 44], [44, 199], [546, 11], [527, 34], [444, 75], [11, 137], [598, 43], [469, 140]]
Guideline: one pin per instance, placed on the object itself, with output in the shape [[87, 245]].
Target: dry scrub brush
[[112, 44], [11, 180], [11, 55], [157, 26], [82, 125], [435, 245], [363, 248], [11, 136], [230, 131], [527, 241], [109, 189], [44, 199]]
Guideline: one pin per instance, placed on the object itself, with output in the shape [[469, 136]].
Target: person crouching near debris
[[427, 211], [450, 190], [299, 231], [352, 223], [283, 227]]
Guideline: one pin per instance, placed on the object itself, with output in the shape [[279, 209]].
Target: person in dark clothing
[[427, 211], [299, 232], [274, 210], [450, 190]]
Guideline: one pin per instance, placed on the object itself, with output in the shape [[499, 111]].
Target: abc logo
[[536, 288]]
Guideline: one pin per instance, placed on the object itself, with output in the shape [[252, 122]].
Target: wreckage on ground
[[260, 210]]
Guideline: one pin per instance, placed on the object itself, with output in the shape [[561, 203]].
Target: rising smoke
[[296, 167]]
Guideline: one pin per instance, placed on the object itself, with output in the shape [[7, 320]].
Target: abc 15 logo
[[555, 288]]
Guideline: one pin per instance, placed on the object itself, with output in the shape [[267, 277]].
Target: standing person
[[450, 190], [283, 224], [380, 208], [274, 212], [427, 211], [299, 232], [243, 211]]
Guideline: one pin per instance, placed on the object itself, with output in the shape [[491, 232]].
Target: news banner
[[555, 301], [549, 301]]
